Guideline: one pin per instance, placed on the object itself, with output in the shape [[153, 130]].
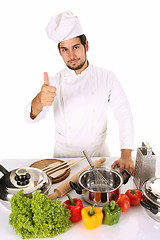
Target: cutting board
[[45, 162]]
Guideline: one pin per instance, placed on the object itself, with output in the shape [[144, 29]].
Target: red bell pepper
[[135, 196], [124, 202], [75, 206]]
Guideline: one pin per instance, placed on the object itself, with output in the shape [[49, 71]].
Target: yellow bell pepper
[[92, 217]]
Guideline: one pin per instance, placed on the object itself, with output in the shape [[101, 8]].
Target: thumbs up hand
[[44, 98], [47, 93]]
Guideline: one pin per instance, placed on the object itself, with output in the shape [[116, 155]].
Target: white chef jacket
[[80, 112]]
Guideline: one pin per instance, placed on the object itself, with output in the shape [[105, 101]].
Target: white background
[[123, 37]]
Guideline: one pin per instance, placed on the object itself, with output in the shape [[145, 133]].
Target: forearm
[[126, 153], [36, 106]]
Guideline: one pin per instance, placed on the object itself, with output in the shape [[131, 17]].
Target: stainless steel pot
[[100, 193], [29, 179], [151, 191]]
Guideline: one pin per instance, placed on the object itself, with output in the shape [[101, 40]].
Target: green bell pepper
[[111, 213]]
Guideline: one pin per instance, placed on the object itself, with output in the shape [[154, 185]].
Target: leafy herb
[[38, 217]]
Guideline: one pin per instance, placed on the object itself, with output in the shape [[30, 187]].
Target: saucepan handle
[[75, 186], [148, 206], [3, 170], [125, 178]]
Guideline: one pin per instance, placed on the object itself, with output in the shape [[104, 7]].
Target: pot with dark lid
[[29, 179], [151, 191]]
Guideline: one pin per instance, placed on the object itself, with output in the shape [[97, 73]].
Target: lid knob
[[22, 176]]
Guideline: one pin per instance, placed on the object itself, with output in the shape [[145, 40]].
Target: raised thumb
[[46, 78]]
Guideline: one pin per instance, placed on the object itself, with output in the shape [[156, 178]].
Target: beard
[[77, 67]]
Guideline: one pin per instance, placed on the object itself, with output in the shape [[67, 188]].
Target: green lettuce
[[38, 217]]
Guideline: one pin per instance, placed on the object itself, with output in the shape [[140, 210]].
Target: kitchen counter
[[135, 223]]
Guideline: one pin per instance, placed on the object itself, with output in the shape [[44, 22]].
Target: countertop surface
[[135, 223]]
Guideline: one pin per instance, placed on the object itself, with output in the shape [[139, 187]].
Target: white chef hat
[[63, 26]]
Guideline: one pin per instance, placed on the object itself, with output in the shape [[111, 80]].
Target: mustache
[[74, 59]]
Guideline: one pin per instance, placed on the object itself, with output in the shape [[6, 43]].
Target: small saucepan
[[96, 191], [151, 202], [29, 179]]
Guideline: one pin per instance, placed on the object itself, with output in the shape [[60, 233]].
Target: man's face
[[74, 54]]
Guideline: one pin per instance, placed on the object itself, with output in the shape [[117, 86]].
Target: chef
[[80, 95]]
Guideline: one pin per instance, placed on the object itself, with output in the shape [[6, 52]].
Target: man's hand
[[47, 93], [44, 98], [125, 162]]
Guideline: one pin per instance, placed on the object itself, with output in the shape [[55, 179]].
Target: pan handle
[[3, 170], [75, 186], [148, 206], [125, 178]]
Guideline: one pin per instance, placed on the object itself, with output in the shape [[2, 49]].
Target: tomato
[[124, 202], [135, 196]]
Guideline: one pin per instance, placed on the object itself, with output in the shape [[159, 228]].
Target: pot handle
[[75, 186], [3, 170], [125, 179], [150, 207], [3, 193]]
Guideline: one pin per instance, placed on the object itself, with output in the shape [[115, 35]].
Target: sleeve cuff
[[40, 116]]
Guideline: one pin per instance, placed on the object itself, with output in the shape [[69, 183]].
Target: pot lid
[[153, 186], [151, 190], [29, 179]]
